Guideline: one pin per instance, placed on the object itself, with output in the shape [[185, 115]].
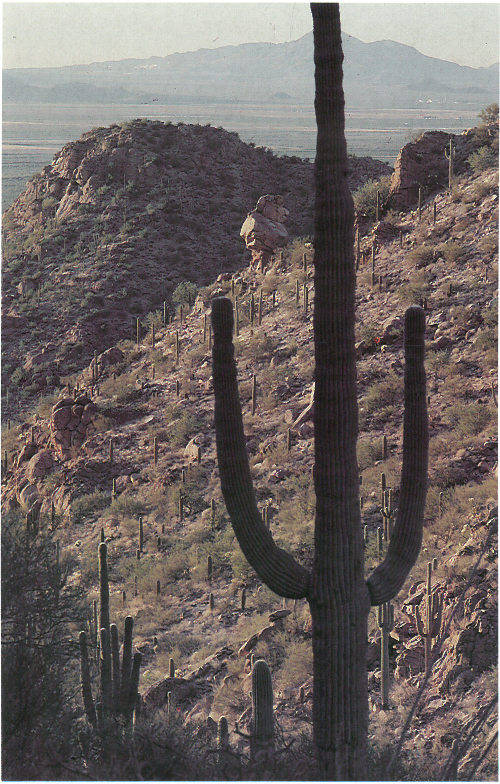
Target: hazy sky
[[43, 34]]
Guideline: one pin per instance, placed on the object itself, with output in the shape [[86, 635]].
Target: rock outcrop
[[69, 422]]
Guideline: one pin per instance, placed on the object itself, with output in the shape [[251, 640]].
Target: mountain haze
[[381, 74]]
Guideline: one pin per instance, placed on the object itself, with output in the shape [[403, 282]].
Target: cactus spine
[[262, 733], [336, 589]]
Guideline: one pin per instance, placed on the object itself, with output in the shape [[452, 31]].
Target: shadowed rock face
[[423, 164]]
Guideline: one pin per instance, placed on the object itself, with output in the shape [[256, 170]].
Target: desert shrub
[[489, 114], [297, 665], [382, 394], [369, 450], [489, 244], [48, 204], [412, 291], [482, 159], [38, 650], [184, 293], [365, 198], [88, 505], [185, 426], [126, 505], [468, 419], [421, 256], [453, 252]]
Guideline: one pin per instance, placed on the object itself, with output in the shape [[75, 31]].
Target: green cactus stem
[[306, 299], [111, 447], [304, 262], [141, 534], [115, 666], [259, 313], [126, 666], [385, 622], [434, 209], [177, 388], [212, 512], [430, 626], [169, 705], [380, 546], [181, 506], [105, 671], [103, 589], [262, 728], [211, 602], [88, 702], [171, 668], [209, 568], [297, 293], [138, 331], [155, 450], [205, 328], [243, 599], [158, 588], [133, 686], [177, 346]]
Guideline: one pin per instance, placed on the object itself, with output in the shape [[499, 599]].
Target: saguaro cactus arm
[[276, 568], [387, 579]]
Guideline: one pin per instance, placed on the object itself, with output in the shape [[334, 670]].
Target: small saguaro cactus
[[259, 313], [449, 154], [155, 450], [212, 512], [181, 506], [377, 207], [111, 450], [387, 514], [254, 393], [262, 727], [141, 534], [297, 292], [385, 622], [209, 568], [118, 685], [158, 588], [306, 299], [113, 489], [177, 345], [205, 328], [153, 336], [429, 627], [164, 313], [419, 203], [384, 447], [211, 602], [137, 330], [224, 758], [243, 598], [434, 208], [252, 308]]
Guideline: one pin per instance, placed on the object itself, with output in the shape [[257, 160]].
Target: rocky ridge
[[144, 392], [120, 218]]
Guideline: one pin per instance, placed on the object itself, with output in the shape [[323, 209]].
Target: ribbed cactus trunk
[[339, 597]]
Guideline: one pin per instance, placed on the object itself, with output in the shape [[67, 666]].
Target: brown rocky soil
[[145, 392]]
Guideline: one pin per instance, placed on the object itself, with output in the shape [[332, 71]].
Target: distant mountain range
[[382, 74]]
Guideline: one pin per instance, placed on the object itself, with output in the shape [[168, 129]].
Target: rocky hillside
[[133, 437], [121, 217]]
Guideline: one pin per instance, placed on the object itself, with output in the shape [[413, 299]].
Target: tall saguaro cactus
[[338, 595]]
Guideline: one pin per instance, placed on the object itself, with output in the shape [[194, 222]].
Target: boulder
[[40, 465]]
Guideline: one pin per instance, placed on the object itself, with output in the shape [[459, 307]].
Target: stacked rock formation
[[69, 421], [263, 229]]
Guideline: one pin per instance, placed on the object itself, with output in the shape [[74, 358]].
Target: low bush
[[484, 158], [365, 198]]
